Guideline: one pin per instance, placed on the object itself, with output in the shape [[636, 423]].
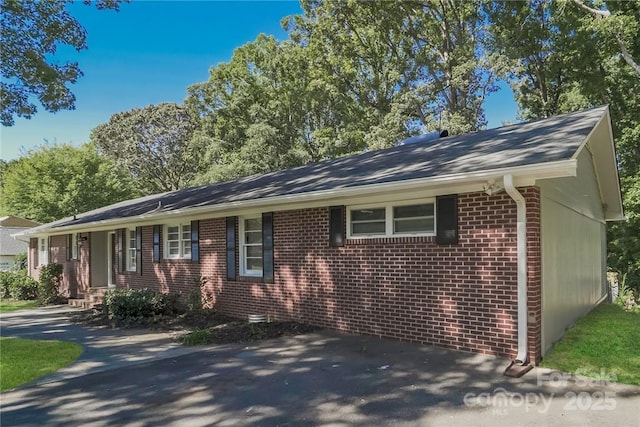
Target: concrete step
[[96, 295], [81, 303], [92, 298]]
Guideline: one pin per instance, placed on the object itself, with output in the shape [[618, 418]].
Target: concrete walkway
[[325, 378]]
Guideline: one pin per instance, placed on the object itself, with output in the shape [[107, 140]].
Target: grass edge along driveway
[[24, 360], [12, 304], [603, 345]]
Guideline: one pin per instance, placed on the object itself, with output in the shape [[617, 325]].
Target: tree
[[270, 108], [56, 181], [353, 76], [155, 144], [538, 40], [412, 66], [573, 55], [30, 33], [620, 26]]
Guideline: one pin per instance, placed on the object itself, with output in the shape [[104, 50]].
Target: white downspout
[[522, 267]]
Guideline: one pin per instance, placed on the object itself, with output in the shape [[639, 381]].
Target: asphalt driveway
[[325, 378]]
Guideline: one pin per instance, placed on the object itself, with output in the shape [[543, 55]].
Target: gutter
[[520, 365]]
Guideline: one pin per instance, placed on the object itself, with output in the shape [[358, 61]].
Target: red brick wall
[[456, 296], [169, 275], [33, 258], [58, 254], [534, 273], [75, 276]]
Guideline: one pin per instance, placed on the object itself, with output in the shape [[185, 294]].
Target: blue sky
[[150, 52]]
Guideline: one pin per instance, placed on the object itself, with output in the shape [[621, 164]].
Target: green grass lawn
[[23, 360], [607, 338], [12, 304]]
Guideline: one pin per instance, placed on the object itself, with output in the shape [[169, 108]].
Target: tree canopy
[[356, 76], [154, 144], [55, 181], [352, 76], [30, 33], [572, 55]]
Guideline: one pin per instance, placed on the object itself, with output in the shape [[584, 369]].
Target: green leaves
[[52, 182], [30, 32], [572, 56], [353, 76], [269, 108], [154, 144]]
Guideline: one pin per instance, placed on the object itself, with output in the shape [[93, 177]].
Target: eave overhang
[[447, 184]]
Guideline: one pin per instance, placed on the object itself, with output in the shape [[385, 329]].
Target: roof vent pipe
[[521, 207]]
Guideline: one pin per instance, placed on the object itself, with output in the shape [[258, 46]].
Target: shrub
[[21, 262], [197, 337], [139, 303], [49, 287], [6, 278], [18, 285], [627, 300]]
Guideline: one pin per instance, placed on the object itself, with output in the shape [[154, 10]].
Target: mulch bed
[[239, 331], [220, 329]]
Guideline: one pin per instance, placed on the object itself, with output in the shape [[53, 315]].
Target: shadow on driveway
[[325, 378]]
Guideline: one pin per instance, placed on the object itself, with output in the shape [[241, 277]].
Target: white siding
[[573, 250]]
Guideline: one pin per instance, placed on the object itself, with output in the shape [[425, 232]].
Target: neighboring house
[[10, 247], [491, 242]]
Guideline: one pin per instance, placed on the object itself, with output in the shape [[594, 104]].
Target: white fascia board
[[605, 116], [601, 144], [448, 184]]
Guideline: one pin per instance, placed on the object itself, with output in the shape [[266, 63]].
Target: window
[[132, 248], [251, 246], [178, 241], [43, 251], [412, 219], [394, 219], [75, 242], [368, 221]]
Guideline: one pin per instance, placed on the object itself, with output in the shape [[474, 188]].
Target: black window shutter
[[120, 260], [336, 226], [195, 240], [123, 255], [156, 243], [231, 247], [267, 247], [69, 246], [447, 219], [139, 250]]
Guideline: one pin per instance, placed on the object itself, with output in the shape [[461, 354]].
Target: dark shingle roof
[[547, 140]]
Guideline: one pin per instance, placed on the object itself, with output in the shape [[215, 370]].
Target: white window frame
[[132, 249], [244, 271], [43, 251], [388, 206], [182, 254]]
